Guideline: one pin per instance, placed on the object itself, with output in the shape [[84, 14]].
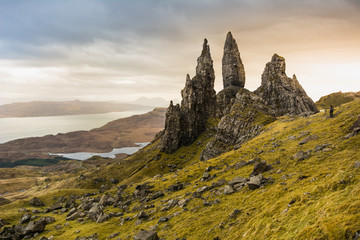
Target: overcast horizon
[[94, 50]]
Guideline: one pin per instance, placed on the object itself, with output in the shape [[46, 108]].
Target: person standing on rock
[[331, 111]]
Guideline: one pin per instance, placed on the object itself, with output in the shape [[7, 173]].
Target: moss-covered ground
[[314, 198]]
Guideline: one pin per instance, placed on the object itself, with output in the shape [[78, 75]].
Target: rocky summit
[[232, 67], [233, 76], [184, 124], [285, 95]]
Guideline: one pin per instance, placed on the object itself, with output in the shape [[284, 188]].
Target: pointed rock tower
[[285, 95], [184, 124], [233, 76], [232, 67]]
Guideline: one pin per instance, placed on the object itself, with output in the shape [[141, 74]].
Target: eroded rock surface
[[285, 95]]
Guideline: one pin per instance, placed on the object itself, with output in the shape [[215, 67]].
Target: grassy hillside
[[313, 194], [336, 99]]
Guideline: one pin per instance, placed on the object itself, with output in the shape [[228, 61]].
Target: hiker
[[331, 111]]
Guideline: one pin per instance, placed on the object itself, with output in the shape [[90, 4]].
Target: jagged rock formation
[[232, 68], [184, 124], [245, 120], [233, 76], [285, 95]]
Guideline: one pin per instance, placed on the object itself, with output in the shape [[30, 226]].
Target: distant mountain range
[[51, 108]]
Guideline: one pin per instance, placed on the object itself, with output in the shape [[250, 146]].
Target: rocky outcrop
[[233, 76], [184, 124], [232, 68], [245, 120], [285, 95]]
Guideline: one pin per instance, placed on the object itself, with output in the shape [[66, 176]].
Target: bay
[[112, 154], [15, 128]]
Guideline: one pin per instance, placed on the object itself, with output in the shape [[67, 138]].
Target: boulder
[[25, 218], [255, 182], [35, 227], [146, 235], [36, 202], [308, 139], [260, 167]]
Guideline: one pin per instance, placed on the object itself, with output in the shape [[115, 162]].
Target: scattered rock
[[228, 190], [255, 182], [146, 235], [308, 139], [142, 215], [163, 219], [240, 164], [357, 164], [235, 213], [36, 202], [176, 187], [260, 167], [25, 218], [35, 226]]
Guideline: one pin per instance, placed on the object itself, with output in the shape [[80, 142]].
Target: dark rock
[[176, 187], [56, 206], [218, 183], [4, 201], [228, 190], [3, 223], [114, 181], [36, 202], [260, 167], [235, 213], [232, 67], [301, 155], [285, 95], [238, 180], [357, 164], [308, 139], [157, 195], [142, 215], [25, 218], [356, 124], [163, 219], [102, 217], [255, 182], [146, 235], [247, 116], [240, 164], [320, 147], [48, 219], [184, 124], [16, 232], [35, 227], [114, 235]]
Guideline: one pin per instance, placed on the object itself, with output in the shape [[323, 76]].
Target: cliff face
[[285, 95], [245, 120], [184, 124]]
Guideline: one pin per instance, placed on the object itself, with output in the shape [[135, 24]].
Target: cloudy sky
[[120, 50]]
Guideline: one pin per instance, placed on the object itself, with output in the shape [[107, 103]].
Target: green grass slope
[[336, 99], [314, 198]]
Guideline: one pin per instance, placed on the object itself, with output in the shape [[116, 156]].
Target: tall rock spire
[[285, 95], [233, 76], [232, 68], [184, 124]]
